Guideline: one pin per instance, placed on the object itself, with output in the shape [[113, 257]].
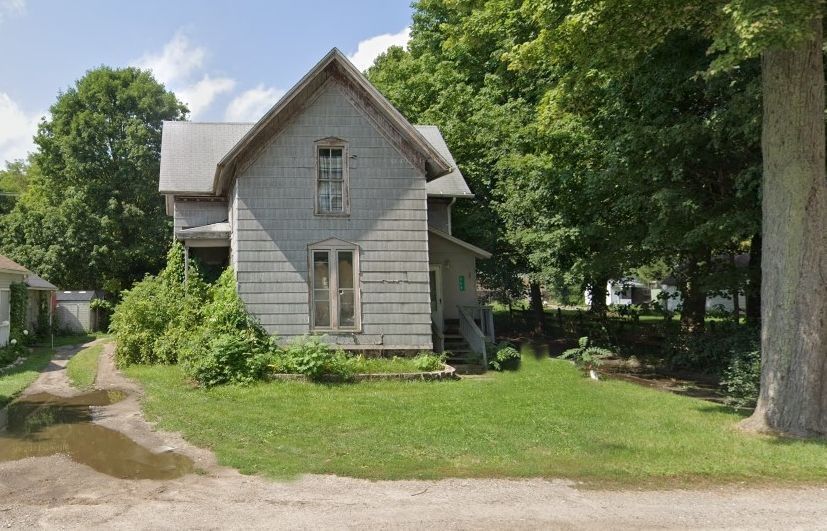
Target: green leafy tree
[[91, 216]]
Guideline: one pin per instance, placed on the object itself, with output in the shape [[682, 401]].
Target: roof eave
[[436, 165]]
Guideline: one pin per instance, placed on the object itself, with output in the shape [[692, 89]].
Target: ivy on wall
[[17, 311]]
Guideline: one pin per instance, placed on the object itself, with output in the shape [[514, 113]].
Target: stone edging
[[447, 373]]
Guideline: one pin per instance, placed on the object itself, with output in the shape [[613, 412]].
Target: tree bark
[[597, 291], [793, 396], [693, 299], [753, 289], [537, 308]]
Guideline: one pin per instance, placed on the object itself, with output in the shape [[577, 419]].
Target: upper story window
[[332, 179]]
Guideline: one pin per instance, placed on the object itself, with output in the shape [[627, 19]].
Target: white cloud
[[199, 96], [177, 61], [250, 106], [369, 49], [11, 8], [16, 129], [180, 66]]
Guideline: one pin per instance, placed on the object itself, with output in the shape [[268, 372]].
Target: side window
[[332, 180], [334, 284]]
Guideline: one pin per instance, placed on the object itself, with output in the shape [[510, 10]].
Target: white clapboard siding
[[197, 213], [274, 222]]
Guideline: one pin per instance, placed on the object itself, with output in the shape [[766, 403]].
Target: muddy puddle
[[42, 424]]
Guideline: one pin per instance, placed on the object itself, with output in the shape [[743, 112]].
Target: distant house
[[39, 296], [335, 213], [74, 312]]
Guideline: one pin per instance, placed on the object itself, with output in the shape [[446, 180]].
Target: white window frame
[[332, 247], [332, 143]]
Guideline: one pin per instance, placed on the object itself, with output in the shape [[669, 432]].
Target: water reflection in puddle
[[42, 424]]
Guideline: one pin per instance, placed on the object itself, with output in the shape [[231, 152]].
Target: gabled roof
[[200, 158], [77, 296], [452, 184], [37, 283], [9, 265], [333, 65], [190, 152], [473, 249]]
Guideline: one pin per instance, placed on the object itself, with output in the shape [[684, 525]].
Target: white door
[[435, 278]]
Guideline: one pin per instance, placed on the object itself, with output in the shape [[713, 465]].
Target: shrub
[[585, 355], [741, 380], [9, 353], [154, 318], [507, 357], [225, 358], [313, 358], [428, 361], [711, 351]]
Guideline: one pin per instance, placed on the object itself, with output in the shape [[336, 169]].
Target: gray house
[[335, 213]]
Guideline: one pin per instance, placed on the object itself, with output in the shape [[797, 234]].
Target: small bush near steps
[[506, 358]]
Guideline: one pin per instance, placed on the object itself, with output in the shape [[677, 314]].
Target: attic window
[[332, 180]]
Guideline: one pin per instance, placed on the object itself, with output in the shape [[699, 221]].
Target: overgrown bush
[[313, 358], [18, 300], [741, 380], [586, 355], [155, 317], [711, 351], [506, 357], [228, 345]]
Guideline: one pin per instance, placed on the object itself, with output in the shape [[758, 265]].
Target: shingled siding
[[276, 223], [189, 213]]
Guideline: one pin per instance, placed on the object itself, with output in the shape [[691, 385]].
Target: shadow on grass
[[15, 379], [62, 341]]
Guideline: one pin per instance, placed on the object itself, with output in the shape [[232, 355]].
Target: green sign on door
[[462, 282]]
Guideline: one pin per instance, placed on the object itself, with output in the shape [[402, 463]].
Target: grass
[[82, 368], [545, 420], [72, 339], [13, 382], [384, 365]]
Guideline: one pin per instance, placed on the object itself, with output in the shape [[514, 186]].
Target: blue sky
[[228, 60]]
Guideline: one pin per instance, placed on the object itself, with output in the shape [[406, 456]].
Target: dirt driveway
[[55, 492]]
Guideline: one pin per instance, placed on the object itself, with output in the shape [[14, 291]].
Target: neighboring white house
[[633, 291], [74, 311], [11, 273], [335, 213]]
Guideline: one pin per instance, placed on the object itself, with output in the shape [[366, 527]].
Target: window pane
[[321, 313], [321, 270], [324, 196], [345, 269], [346, 308]]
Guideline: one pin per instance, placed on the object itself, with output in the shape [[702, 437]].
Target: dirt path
[[54, 492]]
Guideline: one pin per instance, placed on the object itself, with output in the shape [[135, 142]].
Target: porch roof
[[213, 231], [473, 249]]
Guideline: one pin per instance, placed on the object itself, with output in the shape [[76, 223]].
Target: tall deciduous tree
[[793, 395], [93, 217]]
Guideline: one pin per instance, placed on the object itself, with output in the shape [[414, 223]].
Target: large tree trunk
[[537, 308], [793, 396], [753, 290], [597, 293]]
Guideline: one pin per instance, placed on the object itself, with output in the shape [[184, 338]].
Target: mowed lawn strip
[[15, 380], [545, 420], [82, 368]]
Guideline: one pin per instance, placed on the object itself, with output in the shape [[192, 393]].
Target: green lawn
[[72, 339], [545, 420], [83, 367], [12, 382]]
